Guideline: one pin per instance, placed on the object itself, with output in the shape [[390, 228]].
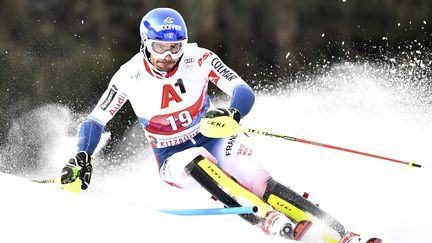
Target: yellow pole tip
[[411, 164]]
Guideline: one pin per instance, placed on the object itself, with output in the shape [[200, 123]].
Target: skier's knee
[[173, 170]]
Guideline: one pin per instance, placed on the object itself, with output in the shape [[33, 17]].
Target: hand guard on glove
[[76, 174], [231, 112], [220, 123]]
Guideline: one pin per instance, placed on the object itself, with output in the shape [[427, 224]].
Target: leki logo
[[169, 20]]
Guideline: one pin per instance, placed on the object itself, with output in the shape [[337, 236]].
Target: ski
[[301, 211]]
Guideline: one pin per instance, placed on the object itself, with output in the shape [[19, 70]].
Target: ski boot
[[277, 224], [351, 237]]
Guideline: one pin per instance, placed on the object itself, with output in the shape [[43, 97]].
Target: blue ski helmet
[[163, 25]]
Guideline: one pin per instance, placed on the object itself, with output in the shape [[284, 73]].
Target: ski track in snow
[[370, 196]]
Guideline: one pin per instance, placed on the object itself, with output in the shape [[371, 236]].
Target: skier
[[166, 83]]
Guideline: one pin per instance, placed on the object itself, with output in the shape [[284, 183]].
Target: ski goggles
[[161, 49]]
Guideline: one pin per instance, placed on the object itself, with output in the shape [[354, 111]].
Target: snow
[[360, 111], [33, 212]]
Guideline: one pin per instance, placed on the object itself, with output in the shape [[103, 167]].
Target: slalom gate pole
[[210, 211], [411, 163]]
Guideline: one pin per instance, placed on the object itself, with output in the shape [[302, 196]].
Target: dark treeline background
[[56, 51]]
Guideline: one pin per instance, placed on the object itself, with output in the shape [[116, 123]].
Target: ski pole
[[411, 163], [189, 212], [47, 181], [210, 211], [225, 126]]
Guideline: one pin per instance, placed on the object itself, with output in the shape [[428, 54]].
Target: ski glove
[[220, 123], [230, 112], [77, 173]]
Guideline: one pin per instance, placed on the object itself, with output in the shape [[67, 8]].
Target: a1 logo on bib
[[169, 94]]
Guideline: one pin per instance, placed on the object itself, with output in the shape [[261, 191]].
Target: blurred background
[[65, 52]]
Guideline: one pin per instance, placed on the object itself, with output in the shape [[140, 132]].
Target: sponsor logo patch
[[168, 27], [112, 93], [223, 70], [213, 77], [230, 145], [189, 60], [120, 101], [207, 54], [152, 139], [169, 20], [244, 150]]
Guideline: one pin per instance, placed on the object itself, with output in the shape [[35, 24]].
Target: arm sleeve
[[243, 99], [227, 80], [89, 135], [109, 104]]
